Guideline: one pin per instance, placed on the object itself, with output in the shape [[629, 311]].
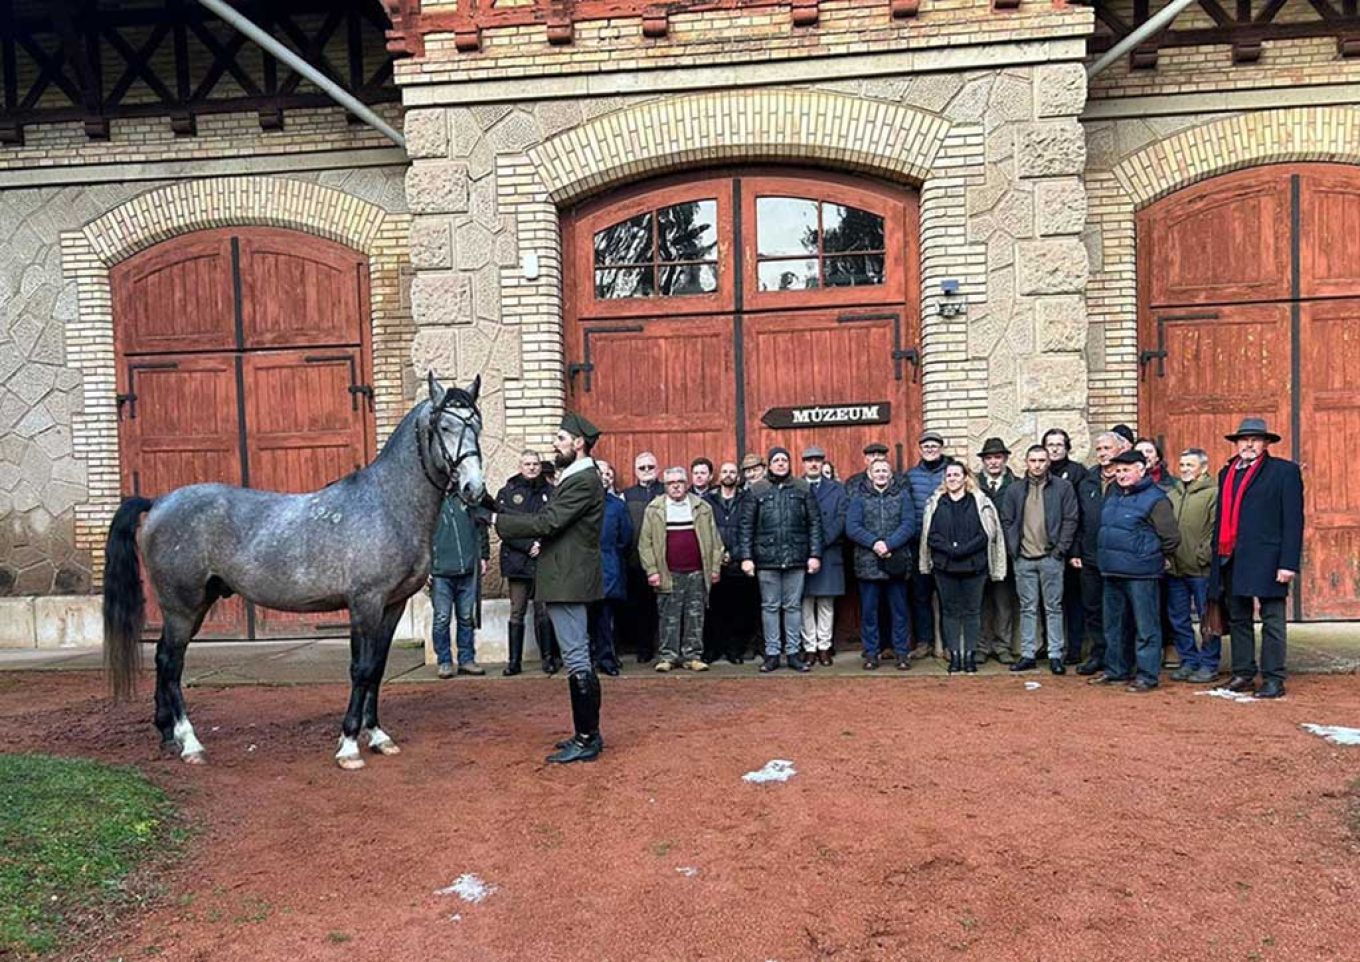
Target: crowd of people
[[1099, 568]]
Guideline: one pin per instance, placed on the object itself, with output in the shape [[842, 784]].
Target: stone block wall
[[997, 154], [58, 428]]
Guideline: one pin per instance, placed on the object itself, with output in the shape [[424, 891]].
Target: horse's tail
[[124, 600]]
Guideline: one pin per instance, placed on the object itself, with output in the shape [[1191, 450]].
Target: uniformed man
[[569, 574]]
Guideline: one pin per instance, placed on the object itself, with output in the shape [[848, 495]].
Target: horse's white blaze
[[187, 740], [349, 748]]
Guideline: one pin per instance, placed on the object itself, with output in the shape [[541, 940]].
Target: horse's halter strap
[[437, 412]]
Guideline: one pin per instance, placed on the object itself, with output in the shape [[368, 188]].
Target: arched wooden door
[[727, 311], [1249, 304], [243, 357]]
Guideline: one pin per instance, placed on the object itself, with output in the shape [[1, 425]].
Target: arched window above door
[[668, 252], [803, 244]]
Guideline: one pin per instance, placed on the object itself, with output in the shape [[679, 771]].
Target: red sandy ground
[[930, 819]]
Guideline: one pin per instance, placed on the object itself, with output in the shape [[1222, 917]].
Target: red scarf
[[1234, 490]]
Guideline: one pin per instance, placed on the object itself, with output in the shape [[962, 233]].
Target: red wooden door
[[178, 425], [276, 394], [695, 304], [1242, 314]]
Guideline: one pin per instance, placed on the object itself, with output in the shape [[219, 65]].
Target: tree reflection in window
[[806, 244], [669, 252]]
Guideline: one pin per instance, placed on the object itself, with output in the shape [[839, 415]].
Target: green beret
[[577, 426]]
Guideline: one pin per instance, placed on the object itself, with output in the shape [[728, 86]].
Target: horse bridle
[[465, 427]]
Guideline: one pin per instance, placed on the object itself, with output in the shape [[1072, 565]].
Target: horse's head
[[456, 429]]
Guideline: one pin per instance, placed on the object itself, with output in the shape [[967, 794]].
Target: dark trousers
[[639, 622], [1093, 609], [733, 614], [1242, 630], [869, 594], [960, 609], [921, 591], [1074, 611], [600, 618], [1143, 597]]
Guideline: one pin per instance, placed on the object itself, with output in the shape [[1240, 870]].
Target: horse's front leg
[[368, 653], [378, 740]]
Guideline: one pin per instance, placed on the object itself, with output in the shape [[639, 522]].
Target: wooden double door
[[726, 312], [1249, 304], [243, 358]]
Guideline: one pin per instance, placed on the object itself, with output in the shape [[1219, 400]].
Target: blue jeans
[[459, 594], [869, 593], [781, 590], [1143, 595], [1181, 593]]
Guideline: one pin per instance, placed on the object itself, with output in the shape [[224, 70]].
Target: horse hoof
[[388, 747], [350, 764], [195, 758]]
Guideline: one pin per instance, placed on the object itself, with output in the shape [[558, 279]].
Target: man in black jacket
[[780, 542], [525, 493], [734, 600], [639, 611], [1039, 516], [999, 601], [1092, 490], [1058, 443]]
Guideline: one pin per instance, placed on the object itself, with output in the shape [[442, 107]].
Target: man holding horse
[[569, 574]]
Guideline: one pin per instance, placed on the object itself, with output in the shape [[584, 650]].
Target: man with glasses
[[640, 622]]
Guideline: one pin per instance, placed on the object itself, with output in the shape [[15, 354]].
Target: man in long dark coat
[[1258, 540], [569, 574]]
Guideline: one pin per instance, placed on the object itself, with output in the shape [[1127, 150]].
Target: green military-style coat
[[569, 570]]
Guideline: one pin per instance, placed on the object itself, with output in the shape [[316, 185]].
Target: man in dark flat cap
[[1258, 540], [859, 482], [569, 574]]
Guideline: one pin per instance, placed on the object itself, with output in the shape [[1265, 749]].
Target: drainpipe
[[337, 93], [1154, 23]]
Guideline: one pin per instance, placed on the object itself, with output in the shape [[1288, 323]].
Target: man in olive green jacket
[[569, 574], [1194, 501], [681, 552]]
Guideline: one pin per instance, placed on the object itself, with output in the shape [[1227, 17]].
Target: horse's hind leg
[[172, 718], [378, 740]]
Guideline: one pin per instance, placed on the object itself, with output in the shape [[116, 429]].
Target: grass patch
[[71, 831]]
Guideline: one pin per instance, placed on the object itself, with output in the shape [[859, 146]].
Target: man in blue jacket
[[1258, 540], [1138, 534], [821, 590]]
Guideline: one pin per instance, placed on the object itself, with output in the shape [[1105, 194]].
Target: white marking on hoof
[[188, 742], [381, 742], [348, 755], [194, 758]]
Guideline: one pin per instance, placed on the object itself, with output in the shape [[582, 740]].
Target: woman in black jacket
[[961, 544]]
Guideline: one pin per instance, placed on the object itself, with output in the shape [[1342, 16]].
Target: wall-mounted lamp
[[952, 303]]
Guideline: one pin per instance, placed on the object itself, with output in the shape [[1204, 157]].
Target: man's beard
[[564, 460], [729, 482]]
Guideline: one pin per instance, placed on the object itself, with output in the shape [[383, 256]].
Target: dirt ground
[[929, 819]]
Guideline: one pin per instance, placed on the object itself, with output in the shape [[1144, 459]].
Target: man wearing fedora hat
[[570, 575], [1258, 540], [999, 600]]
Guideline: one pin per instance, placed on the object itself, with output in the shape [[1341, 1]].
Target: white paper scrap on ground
[[1032, 685], [1236, 696], [1336, 734], [469, 888], [687, 871], [775, 770]]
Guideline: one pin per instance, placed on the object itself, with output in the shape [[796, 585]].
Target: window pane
[[854, 270], [680, 279], [786, 225], [616, 282], [627, 242], [688, 231], [789, 275], [850, 229]]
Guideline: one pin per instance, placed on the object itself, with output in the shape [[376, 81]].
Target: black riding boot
[[586, 744], [551, 662], [513, 666], [955, 661]]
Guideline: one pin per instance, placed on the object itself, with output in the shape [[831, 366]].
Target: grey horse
[[361, 543]]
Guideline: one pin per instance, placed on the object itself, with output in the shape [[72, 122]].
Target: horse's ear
[[476, 388], [437, 391]]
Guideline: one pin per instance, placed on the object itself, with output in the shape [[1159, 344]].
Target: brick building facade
[[1025, 183]]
